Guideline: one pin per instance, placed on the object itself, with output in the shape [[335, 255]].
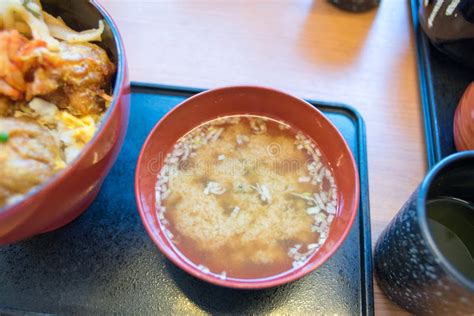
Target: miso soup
[[246, 197]]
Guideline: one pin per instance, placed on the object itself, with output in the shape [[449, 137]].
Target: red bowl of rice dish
[[64, 107]]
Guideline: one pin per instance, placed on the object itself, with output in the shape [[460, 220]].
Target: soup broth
[[246, 197]]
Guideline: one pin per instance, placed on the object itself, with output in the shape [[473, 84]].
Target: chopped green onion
[[32, 7], [4, 137]]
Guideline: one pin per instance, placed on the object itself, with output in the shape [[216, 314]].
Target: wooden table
[[307, 48]]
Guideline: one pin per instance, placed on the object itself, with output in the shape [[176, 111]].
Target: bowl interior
[[257, 101]]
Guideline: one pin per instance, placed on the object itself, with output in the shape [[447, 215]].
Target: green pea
[[4, 137]]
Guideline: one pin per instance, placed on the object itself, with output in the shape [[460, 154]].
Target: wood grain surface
[[307, 48]]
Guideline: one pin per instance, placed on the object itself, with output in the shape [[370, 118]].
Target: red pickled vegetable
[[464, 121]]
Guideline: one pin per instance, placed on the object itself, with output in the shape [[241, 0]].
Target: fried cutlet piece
[[74, 78], [29, 155]]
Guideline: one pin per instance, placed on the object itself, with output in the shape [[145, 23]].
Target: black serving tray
[[104, 262], [442, 83]]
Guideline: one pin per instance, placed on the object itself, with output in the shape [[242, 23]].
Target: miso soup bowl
[[67, 195], [257, 101]]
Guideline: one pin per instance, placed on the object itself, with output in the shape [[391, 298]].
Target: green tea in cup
[[451, 223]]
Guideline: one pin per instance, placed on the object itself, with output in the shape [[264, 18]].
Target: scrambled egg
[[73, 131]]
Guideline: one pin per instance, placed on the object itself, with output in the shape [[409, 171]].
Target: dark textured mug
[[409, 265], [355, 5]]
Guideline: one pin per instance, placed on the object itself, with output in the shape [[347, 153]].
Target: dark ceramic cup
[[355, 5], [450, 27], [409, 265]]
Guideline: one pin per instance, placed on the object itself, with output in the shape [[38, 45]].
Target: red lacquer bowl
[[65, 196], [464, 121], [259, 101]]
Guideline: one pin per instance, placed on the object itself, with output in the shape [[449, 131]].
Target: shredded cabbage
[[60, 30], [27, 17]]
